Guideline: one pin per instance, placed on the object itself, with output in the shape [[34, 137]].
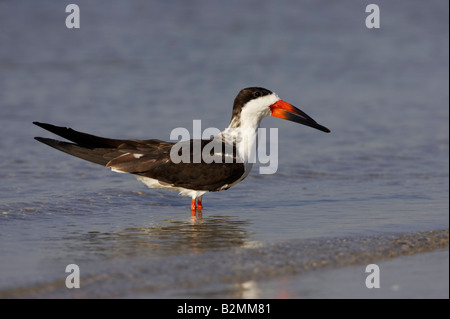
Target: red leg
[[193, 207], [199, 203]]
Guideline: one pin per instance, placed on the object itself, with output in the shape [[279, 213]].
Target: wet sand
[[260, 272]]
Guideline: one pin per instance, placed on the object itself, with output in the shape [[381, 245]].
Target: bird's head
[[254, 103]]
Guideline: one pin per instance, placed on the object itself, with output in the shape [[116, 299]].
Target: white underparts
[[154, 183]]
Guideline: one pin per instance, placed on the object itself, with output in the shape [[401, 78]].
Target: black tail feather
[[81, 139], [88, 147], [96, 155]]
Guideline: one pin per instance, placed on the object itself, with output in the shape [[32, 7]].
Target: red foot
[[199, 205]]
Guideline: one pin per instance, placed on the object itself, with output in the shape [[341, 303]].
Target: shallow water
[[139, 69]]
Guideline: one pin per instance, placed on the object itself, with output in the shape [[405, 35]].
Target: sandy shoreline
[[227, 274]]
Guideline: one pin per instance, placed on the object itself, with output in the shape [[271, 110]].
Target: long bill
[[286, 111]]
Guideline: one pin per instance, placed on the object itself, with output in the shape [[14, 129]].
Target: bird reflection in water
[[169, 237], [196, 214]]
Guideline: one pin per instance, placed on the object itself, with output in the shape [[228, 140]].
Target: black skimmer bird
[[151, 162]]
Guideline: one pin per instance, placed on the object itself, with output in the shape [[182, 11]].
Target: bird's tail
[[92, 148]]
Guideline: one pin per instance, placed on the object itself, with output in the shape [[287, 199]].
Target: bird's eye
[[257, 94]]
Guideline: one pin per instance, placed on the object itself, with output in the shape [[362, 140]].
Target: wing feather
[[148, 158]]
